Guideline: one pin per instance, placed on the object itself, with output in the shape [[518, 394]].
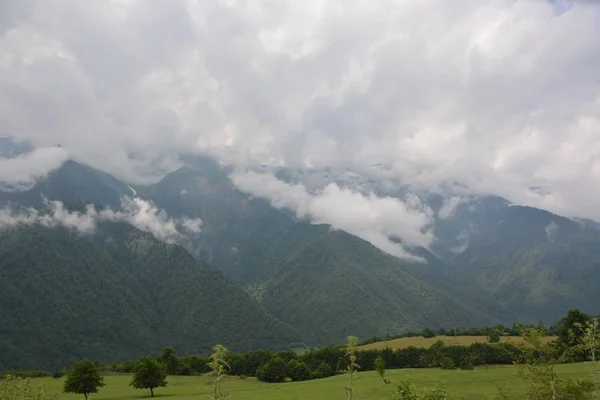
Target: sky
[[497, 97]]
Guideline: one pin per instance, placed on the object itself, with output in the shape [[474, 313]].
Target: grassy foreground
[[478, 384], [420, 341]]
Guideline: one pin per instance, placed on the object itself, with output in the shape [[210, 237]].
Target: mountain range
[[257, 276]]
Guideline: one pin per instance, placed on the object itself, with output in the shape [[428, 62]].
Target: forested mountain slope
[[115, 295]]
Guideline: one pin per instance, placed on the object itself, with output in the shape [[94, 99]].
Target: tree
[[169, 359], [84, 378], [324, 370], [149, 374], [218, 370], [353, 367], [494, 337], [570, 330], [298, 370], [447, 363], [273, 371], [380, 368], [408, 391], [538, 372]]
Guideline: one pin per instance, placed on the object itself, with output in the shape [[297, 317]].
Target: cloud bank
[[139, 213], [382, 221], [496, 96]]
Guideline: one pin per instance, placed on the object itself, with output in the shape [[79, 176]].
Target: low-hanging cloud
[[495, 96], [141, 214], [21, 172], [382, 221]]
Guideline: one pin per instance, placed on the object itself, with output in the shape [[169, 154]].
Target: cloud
[[494, 96], [463, 240], [141, 214], [450, 206], [21, 172], [551, 230], [382, 221]]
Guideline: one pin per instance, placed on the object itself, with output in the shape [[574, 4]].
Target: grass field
[[420, 341], [469, 385]]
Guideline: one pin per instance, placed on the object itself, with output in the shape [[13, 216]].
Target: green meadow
[[480, 383]]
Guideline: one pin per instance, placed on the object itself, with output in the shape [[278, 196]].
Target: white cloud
[[463, 240], [141, 214], [551, 230], [496, 96], [379, 220], [450, 206], [22, 171]]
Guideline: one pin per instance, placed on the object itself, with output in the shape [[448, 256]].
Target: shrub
[[494, 337], [273, 371], [58, 374], [447, 363], [324, 370], [408, 391], [298, 371], [466, 364], [243, 377]]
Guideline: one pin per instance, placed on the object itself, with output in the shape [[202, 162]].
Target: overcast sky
[[498, 96]]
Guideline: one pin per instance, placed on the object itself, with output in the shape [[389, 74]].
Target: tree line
[[578, 339]]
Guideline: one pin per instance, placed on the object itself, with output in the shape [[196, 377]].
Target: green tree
[[353, 367], [298, 370], [84, 378], [571, 328], [324, 370], [494, 337], [447, 363], [408, 391], [218, 370], [168, 357], [273, 371], [149, 374], [538, 372], [13, 388], [380, 368]]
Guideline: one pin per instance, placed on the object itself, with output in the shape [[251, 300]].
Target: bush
[[494, 337], [447, 363], [428, 333], [273, 371], [58, 374], [243, 377], [298, 371], [324, 370], [466, 364], [408, 391]]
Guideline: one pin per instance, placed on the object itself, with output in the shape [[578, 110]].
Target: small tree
[[408, 391], [447, 363], [149, 374], [494, 337], [380, 368], [13, 388], [353, 367], [218, 370], [298, 370], [169, 359], [538, 372], [84, 378], [273, 371]]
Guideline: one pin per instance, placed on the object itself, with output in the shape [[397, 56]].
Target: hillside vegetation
[[117, 295], [420, 341]]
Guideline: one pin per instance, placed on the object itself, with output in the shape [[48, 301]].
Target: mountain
[[115, 295], [327, 284], [532, 261], [278, 281], [74, 184]]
